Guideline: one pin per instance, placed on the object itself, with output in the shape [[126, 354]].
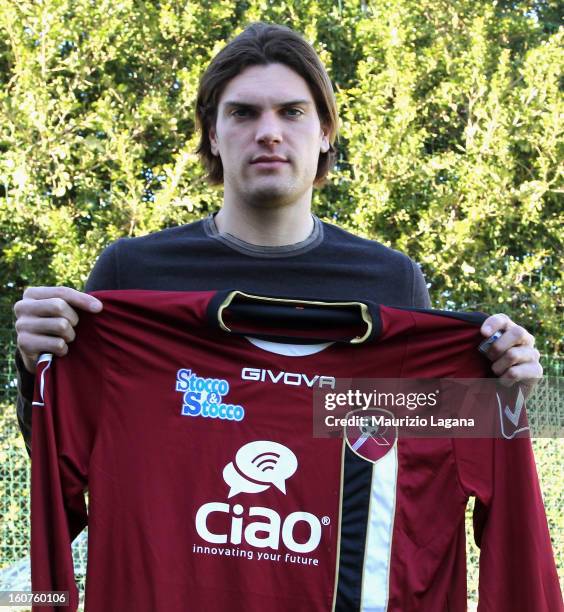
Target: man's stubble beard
[[271, 194]]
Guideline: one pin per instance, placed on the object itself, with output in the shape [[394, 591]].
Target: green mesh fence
[[545, 410]]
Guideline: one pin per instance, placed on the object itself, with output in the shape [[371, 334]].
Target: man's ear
[[213, 142], [325, 144]]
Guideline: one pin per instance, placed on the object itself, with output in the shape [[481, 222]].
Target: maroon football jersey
[[208, 491]]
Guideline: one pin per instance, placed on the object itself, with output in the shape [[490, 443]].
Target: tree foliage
[[450, 145]]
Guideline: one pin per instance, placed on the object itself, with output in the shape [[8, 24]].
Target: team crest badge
[[368, 435]]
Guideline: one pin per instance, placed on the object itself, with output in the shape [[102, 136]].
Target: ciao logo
[[258, 466]]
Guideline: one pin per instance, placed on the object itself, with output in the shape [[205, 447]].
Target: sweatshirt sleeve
[[26, 383], [517, 569], [105, 273], [64, 413], [420, 294]]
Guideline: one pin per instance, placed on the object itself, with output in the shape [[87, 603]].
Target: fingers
[[75, 298], [32, 345], [513, 335], [517, 363], [513, 355], [45, 308], [526, 374], [45, 320], [494, 323], [47, 326]]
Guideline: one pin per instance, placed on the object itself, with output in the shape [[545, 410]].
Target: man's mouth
[[269, 160]]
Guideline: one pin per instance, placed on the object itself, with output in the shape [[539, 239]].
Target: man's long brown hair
[[262, 44]]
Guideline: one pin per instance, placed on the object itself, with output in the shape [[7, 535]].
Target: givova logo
[[204, 397], [257, 466]]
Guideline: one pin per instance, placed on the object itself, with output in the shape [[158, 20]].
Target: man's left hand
[[514, 356]]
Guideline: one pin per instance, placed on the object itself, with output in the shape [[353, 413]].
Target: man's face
[[268, 136]]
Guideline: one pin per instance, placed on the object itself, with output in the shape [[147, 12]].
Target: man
[[268, 123]]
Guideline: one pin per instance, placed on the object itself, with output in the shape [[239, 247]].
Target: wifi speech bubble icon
[[258, 465]]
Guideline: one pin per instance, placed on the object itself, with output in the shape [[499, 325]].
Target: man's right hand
[[45, 321]]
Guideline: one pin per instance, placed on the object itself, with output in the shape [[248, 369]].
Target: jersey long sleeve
[[62, 440], [517, 570]]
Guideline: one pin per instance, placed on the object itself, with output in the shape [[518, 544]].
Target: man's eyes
[[241, 113]]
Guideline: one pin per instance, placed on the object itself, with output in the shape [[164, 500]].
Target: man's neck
[[277, 226]]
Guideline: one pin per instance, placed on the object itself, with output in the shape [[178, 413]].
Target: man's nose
[[269, 129]]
